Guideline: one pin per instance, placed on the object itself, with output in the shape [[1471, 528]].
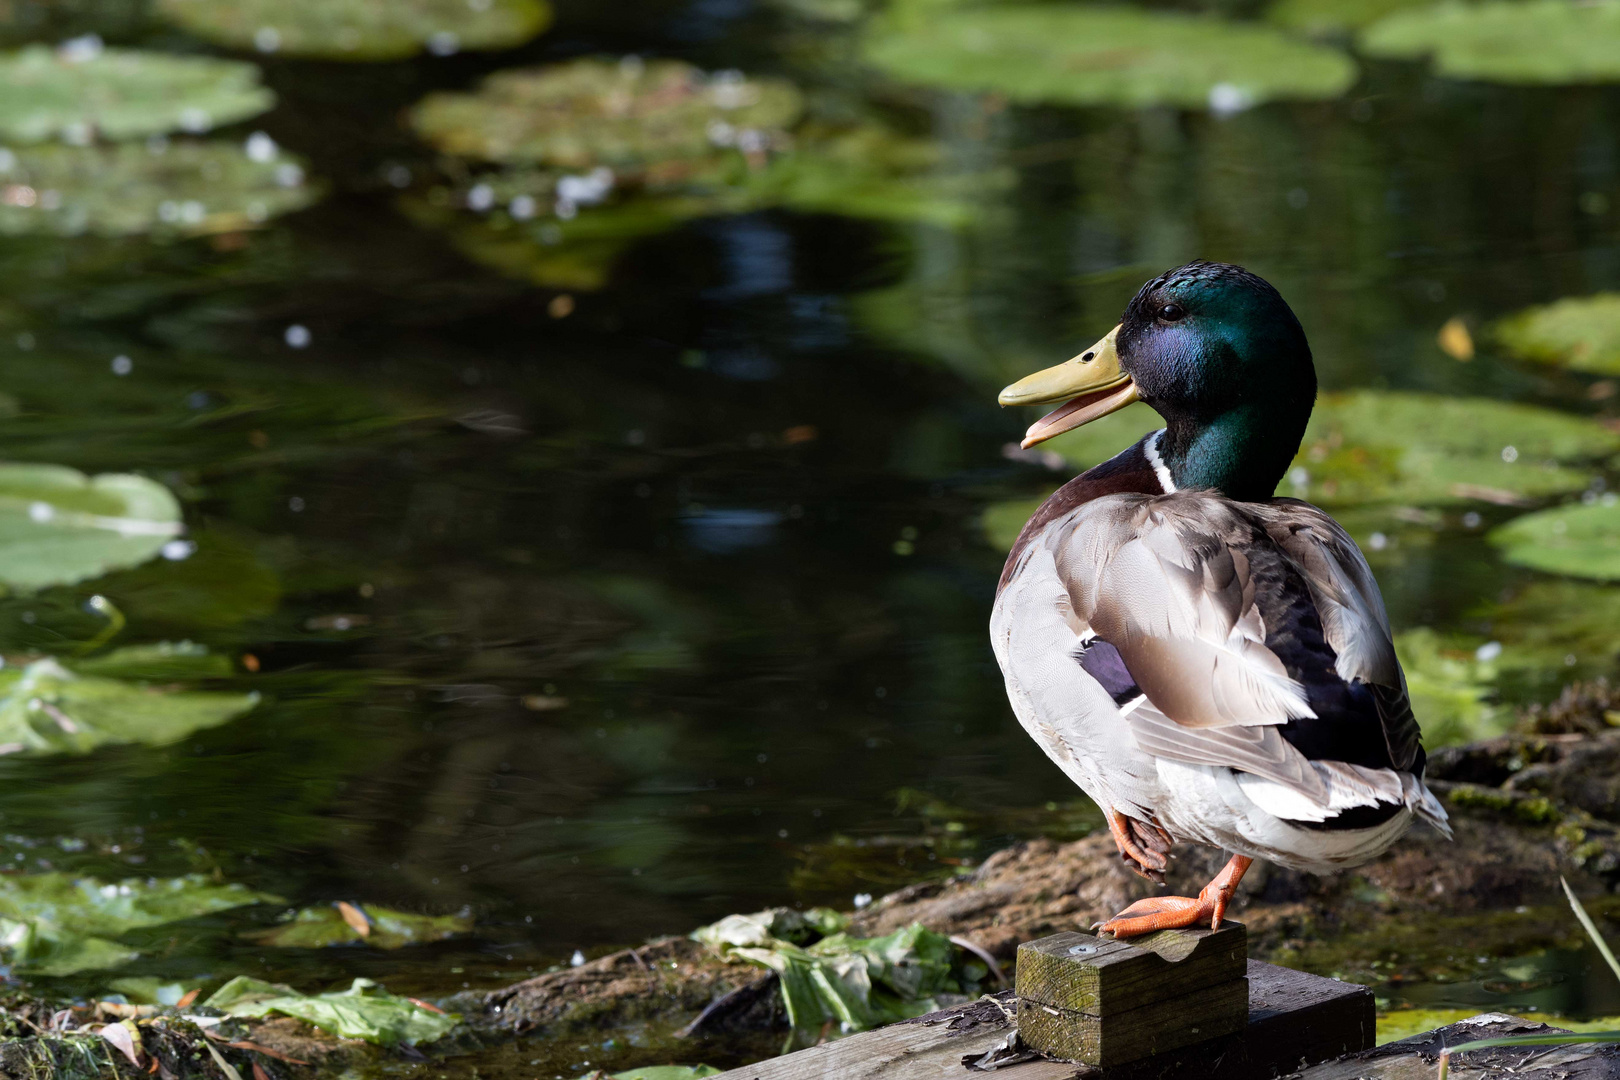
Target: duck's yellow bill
[[1090, 385]]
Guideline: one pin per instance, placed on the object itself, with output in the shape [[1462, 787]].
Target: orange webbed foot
[[1159, 913], [1176, 912]]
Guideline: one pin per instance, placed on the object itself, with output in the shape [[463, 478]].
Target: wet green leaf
[[47, 709], [58, 526], [1370, 446], [773, 924], [606, 112], [1332, 17], [364, 1011], [182, 188], [651, 145], [116, 94], [319, 927], [361, 29], [1579, 332], [56, 924], [1103, 55], [1579, 540], [163, 661], [1511, 41], [857, 983]]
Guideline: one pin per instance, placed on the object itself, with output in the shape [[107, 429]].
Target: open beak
[[1090, 385]]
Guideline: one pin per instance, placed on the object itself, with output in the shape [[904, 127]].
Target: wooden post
[[1105, 1002]]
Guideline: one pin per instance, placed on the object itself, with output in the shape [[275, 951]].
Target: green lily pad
[[163, 661], [1332, 17], [1369, 446], [1577, 332], [58, 526], [57, 924], [47, 709], [320, 927], [1578, 540], [605, 112], [364, 1011], [181, 188], [360, 29], [1103, 55], [1552, 42], [80, 96]]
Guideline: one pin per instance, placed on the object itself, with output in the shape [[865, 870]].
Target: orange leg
[[1173, 912], [1128, 847]]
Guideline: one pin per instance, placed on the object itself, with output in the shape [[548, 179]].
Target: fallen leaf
[[355, 918], [1455, 340], [187, 998], [126, 1038], [428, 1005], [259, 1073]]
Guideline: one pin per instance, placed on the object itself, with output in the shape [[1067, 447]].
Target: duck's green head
[[1214, 350]]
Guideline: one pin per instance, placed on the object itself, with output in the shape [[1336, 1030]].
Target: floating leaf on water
[[47, 709], [1579, 332], [1104, 55], [1332, 17], [361, 29], [364, 1011], [319, 927], [1370, 446], [596, 111], [57, 924], [1579, 540], [1455, 340], [58, 526], [182, 188], [121, 94], [163, 661], [1511, 41]]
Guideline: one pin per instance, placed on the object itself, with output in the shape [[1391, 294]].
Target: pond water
[[601, 612]]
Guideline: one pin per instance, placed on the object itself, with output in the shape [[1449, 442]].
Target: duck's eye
[[1172, 312]]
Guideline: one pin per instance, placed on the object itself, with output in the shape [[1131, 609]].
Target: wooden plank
[[931, 1049], [1295, 1020], [1148, 1030], [1099, 976]]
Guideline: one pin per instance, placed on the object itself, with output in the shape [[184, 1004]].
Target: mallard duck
[[1208, 663]]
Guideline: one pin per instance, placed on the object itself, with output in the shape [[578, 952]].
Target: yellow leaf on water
[[1455, 340]]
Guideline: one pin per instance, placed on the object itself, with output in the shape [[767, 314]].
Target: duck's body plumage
[[1209, 663], [1220, 670]]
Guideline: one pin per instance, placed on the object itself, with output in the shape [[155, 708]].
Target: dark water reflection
[[606, 625]]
